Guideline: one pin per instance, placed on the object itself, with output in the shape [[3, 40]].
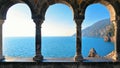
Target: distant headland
[[101, 29]]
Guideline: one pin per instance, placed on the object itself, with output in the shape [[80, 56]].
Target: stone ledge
[[87, 59], [59, 65], [10, 64]]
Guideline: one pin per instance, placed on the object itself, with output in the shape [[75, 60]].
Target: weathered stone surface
[[39, 8], [60, 65], [1, 52], [38, 56], [78, 56]]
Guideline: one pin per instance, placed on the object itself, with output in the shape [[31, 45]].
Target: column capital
[[1, 21], [78, 56], [38, 20], [78, 16], [78, 21]]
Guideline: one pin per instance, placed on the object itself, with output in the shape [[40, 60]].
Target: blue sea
[[54, 47]]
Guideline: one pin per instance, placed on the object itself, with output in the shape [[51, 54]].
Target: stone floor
[[11, 59], [101, 59]]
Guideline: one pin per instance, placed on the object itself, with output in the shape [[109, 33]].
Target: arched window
[[57, 32], [97, 31], [18, 32]]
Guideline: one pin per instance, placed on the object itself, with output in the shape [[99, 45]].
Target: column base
[[38, 58], [78, 58], [2, 58], [117, 57]]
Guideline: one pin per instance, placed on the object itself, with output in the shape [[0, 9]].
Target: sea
[[54, 47]]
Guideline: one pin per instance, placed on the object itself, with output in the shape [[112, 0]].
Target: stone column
[[118, 40], [115, 37], [78, 56], [38, 56], [1, 55]]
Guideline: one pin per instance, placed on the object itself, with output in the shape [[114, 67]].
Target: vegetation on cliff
[[109, 36], [101, 29]]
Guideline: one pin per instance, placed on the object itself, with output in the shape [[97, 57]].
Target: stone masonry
[[39, 7]]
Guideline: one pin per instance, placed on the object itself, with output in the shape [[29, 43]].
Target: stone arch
[[112, 11], [3, 15], [25, 13], [46, 5], [44, 10], [55, 17], [109, 6], [39, 18], [6, 7]]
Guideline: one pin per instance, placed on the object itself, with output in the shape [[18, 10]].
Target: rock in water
[[112, 55], [93, 53]]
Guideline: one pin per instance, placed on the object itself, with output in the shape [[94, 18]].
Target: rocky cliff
[[99, 29]]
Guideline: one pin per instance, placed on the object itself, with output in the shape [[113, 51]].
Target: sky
[[94, 13], [58, 20]]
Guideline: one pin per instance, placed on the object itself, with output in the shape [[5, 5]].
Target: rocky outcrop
[[93, 53], [113, 39], [111, 55], [98, 29], [109, 39]]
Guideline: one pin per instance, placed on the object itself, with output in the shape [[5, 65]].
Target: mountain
[[98, 29]]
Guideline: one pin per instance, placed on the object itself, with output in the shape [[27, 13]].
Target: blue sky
[[58, 20], [94, 13]]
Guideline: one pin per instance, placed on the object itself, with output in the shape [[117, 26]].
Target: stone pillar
[[118, 39], [1, 55], [38, 56], [78, 56], [115, 37]]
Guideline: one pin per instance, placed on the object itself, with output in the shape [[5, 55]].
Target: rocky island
[[93, 53]]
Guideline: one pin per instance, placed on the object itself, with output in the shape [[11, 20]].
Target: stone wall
[[59, 65], [38, 9]]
